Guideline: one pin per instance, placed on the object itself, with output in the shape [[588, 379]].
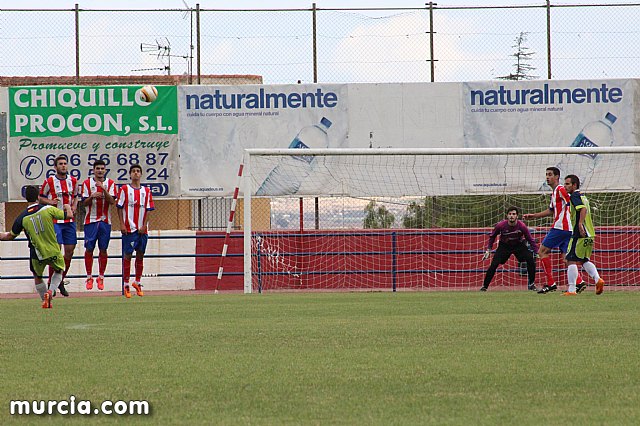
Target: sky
[[276, 4], [358, 46]]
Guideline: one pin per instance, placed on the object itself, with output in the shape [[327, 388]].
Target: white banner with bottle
[[218, 122], [585, 113]]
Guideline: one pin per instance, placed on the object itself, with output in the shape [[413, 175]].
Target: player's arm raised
[[16, 229], [544, 213], [7, 236]]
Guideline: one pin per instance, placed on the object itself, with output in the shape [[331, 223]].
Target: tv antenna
[[162, 50]]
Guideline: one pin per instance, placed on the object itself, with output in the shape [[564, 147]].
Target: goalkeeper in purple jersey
[[514, 235]]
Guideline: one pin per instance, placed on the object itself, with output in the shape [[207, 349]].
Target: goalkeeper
[[513, 234]]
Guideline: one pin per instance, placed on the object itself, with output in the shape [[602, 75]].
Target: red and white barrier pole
[[232, 213]]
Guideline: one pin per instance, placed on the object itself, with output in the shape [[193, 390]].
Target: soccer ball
[[148, 94]]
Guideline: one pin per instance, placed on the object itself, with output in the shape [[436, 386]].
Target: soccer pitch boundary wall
[[179, 260], [170, 263], [401, 262]]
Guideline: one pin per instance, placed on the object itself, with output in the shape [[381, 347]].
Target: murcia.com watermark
[[73, 407]]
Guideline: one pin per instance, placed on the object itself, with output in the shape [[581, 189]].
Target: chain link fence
[[325, 45], [433, 43]]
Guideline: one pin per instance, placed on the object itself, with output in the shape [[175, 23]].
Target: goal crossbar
[[443, 151]]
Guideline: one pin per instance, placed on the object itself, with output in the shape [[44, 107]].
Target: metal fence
[[433, 43], [346, 45]]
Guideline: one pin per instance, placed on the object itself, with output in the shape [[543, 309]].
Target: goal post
[[419, 219]]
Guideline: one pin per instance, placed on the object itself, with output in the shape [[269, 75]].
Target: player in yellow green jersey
[[582, 239], [37, 223]]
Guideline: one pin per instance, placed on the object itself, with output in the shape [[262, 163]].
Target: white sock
[[42, 289], [591, 270], [572, 275], [56, 279]]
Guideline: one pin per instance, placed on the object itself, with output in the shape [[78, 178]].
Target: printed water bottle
[[594, 134], [287, 176]]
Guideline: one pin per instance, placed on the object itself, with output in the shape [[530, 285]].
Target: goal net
[[394, 219]]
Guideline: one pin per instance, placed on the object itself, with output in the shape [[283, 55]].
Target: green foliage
[[377, 217], [615, 208], [420, 215], [464, 211]]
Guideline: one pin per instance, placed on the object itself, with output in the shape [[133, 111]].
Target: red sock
[[67, 264], [102, 263], [139, 267], [126, 270], [546, 266], [88, 262], [50, 275]]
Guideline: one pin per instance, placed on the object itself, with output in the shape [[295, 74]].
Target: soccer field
[[331, 358]]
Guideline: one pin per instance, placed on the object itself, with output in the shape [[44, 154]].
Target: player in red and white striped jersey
[[98, 195], [134, 206], [57, 190], [561, 230]]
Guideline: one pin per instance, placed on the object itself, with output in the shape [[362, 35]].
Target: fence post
[[549, 39], [394, 259], [4, 169], [432, 58], [198, 37], [259, 262], [315, 45], [77, 16]]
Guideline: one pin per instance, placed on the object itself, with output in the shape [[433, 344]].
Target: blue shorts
[[134, 242], [97, 231], [557, 238], [66, 233]]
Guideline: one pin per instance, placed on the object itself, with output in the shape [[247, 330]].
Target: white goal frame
[[248, 190]]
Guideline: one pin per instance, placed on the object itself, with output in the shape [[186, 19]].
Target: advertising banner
[[218, 122], [122, 125], [552, 113]]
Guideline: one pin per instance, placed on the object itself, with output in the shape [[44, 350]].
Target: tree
[[463, 211], [419, 215], [377, 217], [522, 66]]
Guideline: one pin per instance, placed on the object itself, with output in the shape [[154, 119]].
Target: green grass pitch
[[331, 358]]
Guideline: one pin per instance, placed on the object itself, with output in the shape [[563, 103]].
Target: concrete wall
[[152, 265]]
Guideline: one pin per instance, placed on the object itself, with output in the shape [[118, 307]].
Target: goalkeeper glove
[[486, 255]]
